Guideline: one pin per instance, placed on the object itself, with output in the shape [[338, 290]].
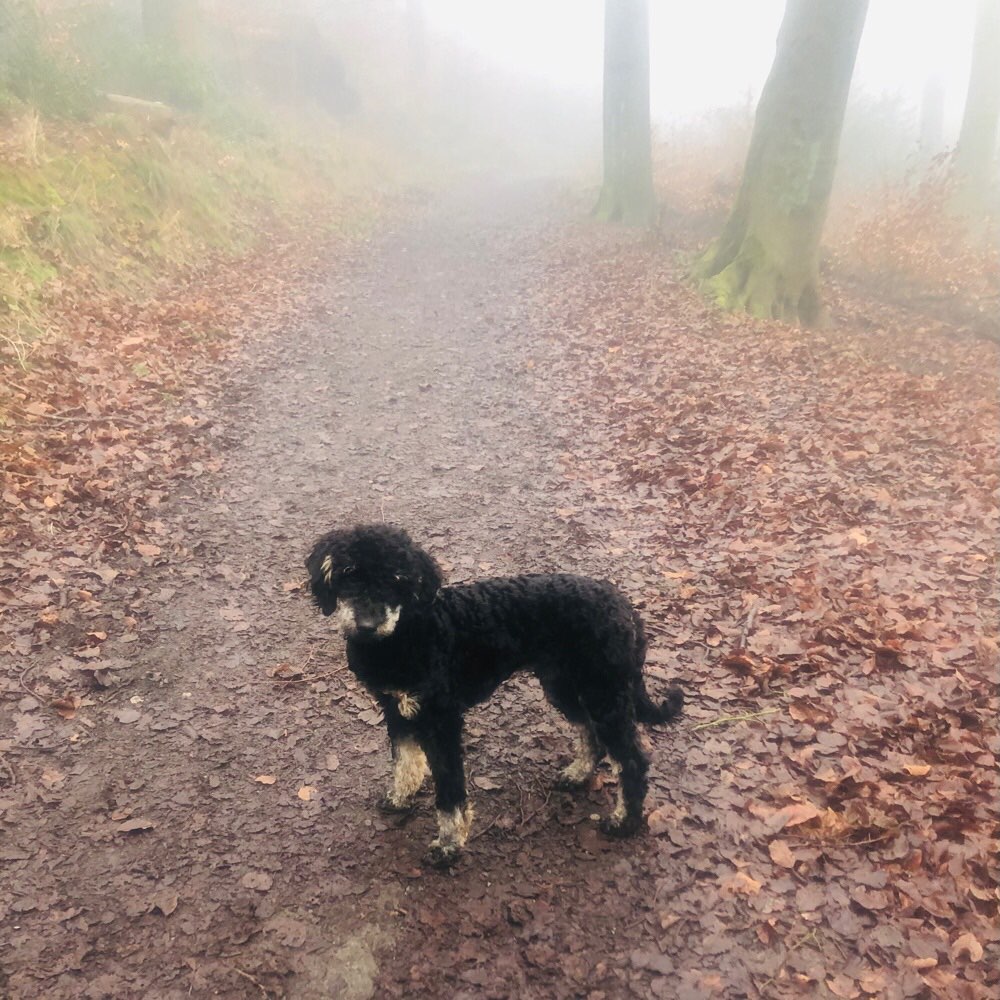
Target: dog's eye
[[347, 571]]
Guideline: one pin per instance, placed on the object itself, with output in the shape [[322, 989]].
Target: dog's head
[[370, 577]]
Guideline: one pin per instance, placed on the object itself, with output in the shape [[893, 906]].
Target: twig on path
[[674, 890], [745, 717], [747, 626], [304, 677], [21, 680], [9, 770], [810, 937], [525, 820], [21, 475], [68, 417], [489, 826], [246, 975]]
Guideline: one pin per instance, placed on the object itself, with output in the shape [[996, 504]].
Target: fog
[[711, 54]]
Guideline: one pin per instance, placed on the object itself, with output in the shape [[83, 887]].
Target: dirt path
[[149, 862], [809, 529]]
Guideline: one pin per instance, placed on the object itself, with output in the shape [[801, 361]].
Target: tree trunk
[[975, 157], [627, 194], [767, 260]]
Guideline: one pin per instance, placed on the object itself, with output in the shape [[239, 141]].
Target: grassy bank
[[112, 205]]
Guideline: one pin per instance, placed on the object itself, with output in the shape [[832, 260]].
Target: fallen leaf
[[843, 986], [792, 815], [307, 793], [66, 706], [873, 980], [653, 961], [781, 854], [660, 821], [966, 944], [138, 825], [266, 779], [870, 899], [741, 884], [260, 881], [165, 901]]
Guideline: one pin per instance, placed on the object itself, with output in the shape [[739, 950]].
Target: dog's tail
[[646, 710], [651, 714]]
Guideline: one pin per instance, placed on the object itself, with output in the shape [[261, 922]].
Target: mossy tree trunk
[[627, 193], [767, 260], [975, 157]]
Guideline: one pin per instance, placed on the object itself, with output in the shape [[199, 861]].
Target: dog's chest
[[383, 673], [407, 703]]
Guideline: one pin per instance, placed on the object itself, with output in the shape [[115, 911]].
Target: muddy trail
[[205, 824], [213, 829]]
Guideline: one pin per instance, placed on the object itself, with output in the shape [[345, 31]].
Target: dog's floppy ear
[[321, 566], [428, 579]]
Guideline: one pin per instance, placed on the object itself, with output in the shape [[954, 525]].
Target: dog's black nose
[[365, 630]]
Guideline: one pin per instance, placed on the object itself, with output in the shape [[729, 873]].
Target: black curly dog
[[428, 652]]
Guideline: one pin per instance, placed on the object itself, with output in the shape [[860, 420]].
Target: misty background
[[315, 102], [708, 63], [520, 81]]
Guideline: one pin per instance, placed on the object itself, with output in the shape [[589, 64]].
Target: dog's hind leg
[[443, 746], [565, 698], [577, 773], [619, 735]]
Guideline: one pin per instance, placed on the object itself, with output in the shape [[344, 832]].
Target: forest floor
[[808, 521]]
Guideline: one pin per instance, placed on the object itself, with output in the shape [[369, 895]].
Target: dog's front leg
[[409, 765], [443, 745]]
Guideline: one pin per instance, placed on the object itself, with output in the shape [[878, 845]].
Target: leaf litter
[[829, 500], [807, 522]]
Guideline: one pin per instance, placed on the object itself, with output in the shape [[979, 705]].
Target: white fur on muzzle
[[346, 617]]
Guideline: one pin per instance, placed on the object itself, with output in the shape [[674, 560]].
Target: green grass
[[125, 207], [93, 196]]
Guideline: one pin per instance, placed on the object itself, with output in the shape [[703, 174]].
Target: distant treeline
[[61, 57]]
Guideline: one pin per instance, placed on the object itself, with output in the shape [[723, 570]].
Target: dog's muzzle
[[366, 621]]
